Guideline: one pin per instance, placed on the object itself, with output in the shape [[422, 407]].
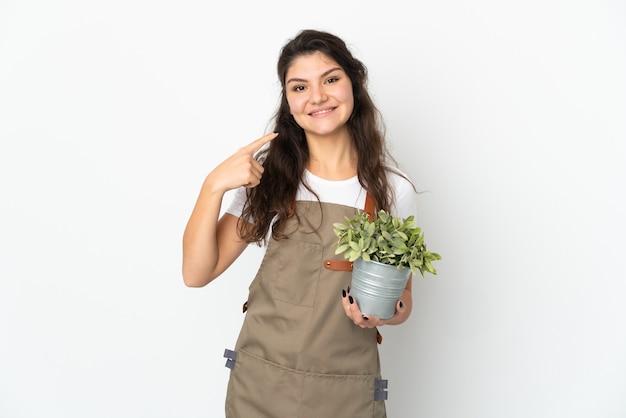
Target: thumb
[[400, 306]]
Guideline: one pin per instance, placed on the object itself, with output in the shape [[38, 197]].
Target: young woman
[[305, 349]]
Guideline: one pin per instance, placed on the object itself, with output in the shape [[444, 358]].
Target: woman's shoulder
[[398, 179], [403, 191]]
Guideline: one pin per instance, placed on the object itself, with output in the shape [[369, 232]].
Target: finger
[[356, 314], [256, 168], [252, 183], [346, 304], [400, 306], [255, 172], [374, 321], [254, 179], [256, 145]]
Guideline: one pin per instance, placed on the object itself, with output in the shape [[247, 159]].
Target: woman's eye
[[332, 80], [298, 88]]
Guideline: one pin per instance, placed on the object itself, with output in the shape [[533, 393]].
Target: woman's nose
[[318, 95]]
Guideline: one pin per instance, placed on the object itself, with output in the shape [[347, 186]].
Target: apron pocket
[[298, 273], [260, 388], [339, 396]]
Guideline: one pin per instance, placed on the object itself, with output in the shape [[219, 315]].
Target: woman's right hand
[[211, 245], [241, 168]]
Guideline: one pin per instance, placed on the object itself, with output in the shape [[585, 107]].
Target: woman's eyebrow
[[324, 74]]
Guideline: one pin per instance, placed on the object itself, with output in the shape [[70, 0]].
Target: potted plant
[[384, 252]]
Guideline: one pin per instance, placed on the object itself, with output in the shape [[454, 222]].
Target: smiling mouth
[[321, 112]]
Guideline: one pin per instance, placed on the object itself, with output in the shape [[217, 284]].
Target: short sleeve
[[405, 196], [236, 205]]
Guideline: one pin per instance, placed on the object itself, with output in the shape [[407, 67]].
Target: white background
[[510, 116]]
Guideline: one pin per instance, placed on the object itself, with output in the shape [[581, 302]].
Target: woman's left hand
[[353, 312]]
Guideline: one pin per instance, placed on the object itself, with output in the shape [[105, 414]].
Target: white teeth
[[322, 111]]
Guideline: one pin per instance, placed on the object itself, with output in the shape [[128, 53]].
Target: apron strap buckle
[[380, 392], [231, 358]]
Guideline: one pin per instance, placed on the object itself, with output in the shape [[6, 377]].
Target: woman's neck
[[332, 158]]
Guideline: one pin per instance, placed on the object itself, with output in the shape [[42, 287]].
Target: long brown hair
[[285, 159]]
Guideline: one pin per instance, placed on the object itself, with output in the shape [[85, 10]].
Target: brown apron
[[298, 355]]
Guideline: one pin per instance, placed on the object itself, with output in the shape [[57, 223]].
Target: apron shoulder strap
[[370, 207], [345, 265]]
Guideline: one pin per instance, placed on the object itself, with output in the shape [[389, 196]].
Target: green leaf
[[340, 226], [354, 256], [342, 248]]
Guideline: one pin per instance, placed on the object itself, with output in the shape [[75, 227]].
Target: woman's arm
[[210, 245]]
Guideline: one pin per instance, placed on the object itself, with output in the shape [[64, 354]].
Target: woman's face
[[319, 94]]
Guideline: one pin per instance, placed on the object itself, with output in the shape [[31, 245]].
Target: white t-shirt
[[344, 192]]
